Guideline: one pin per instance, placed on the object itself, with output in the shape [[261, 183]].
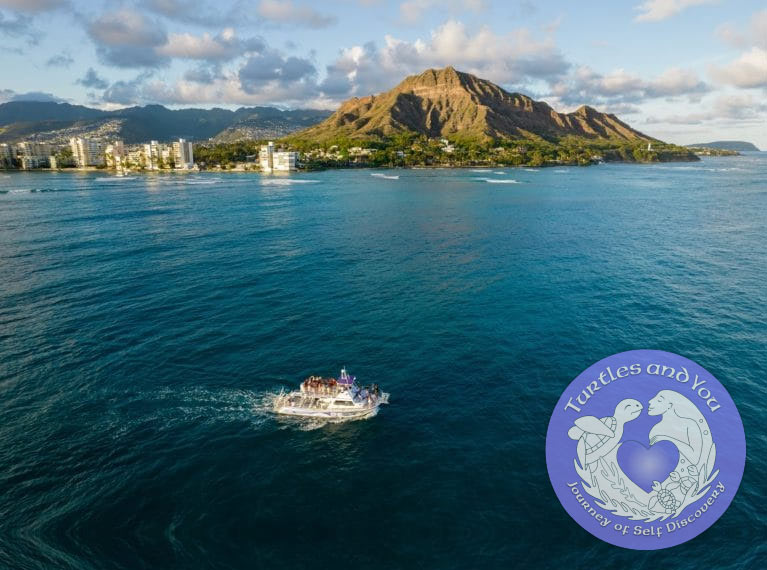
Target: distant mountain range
[[450, 103], [740, 146], [57, 122]]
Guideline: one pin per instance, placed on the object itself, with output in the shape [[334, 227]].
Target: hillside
[[268, 122], [740, 146], [56, 122], [450, 103]]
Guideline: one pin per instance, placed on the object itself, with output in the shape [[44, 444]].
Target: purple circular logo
[[645, 449]]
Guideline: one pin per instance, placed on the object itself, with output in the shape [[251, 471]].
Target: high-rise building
[[280, 161], [32, 149], [29, 162], [87, 152], [33, 154], [7, 154], [183, 154], [114, 154], [152, 156]]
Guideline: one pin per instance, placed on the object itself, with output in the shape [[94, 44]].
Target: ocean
[[147, 321]]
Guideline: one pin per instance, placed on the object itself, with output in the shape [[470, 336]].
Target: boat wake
[[114, 178], [195, 181], [286, 181], [499, 180], [386, 176], [173, 409]]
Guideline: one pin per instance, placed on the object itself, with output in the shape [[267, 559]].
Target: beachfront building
[[87, 152], [33, 155], [7, 154], [134, 157], [183, 154], [31, 162], [115, 156], [151, 156], [276, 161]]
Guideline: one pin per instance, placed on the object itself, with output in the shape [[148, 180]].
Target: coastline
[[316, 168], [168, 172]]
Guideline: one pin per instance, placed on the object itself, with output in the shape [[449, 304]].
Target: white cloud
[[512, 58], [585, 85], [286, 12], [10, 95], [228, 88], [127, 38], [221, 47], [754, 35], [748, 70], [729, 107], [656, 10]]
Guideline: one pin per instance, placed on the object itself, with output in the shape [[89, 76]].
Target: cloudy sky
[[680, 70]]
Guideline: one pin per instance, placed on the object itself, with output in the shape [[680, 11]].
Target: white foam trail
[[561, 170], [499, 172], [114, 178], [311, 424], [286, 181], [480, 170], [499, 181], [196, 181], [532, 169], [387, 176]]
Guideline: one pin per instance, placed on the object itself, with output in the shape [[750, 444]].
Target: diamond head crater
[[445, 117], [438, 118]]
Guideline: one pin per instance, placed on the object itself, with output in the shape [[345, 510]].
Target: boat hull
[[327, 414]]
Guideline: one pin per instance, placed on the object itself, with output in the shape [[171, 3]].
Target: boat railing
[[321, 386]]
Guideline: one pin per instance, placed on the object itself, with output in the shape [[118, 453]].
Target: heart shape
[[643, 465]]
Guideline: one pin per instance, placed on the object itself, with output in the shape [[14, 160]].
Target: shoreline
[[113, 173]]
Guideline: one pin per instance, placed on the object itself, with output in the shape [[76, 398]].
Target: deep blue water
[[145, 322]]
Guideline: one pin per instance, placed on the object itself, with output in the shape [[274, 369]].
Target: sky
[[684, 71]]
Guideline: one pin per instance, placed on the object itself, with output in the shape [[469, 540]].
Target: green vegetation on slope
[[410, 149]]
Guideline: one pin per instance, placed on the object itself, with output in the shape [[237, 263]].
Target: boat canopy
[[345, 379]]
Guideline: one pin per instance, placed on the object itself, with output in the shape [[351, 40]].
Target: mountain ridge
[[56, 122], [740, 146], [447, 102]]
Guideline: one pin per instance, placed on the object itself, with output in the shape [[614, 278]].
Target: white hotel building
[[87, 152], [183, 154], [279, 161]]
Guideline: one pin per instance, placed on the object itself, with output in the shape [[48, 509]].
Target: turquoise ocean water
[[146, 321]]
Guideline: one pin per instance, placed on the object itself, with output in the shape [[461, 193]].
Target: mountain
[[268, 122], [446, 102], [57, 122], [740, 146]]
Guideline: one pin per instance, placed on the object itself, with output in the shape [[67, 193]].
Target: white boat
[[331, 398]]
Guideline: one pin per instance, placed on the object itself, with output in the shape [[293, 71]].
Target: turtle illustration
[[685, 483], [598, 436], [664, 498]]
